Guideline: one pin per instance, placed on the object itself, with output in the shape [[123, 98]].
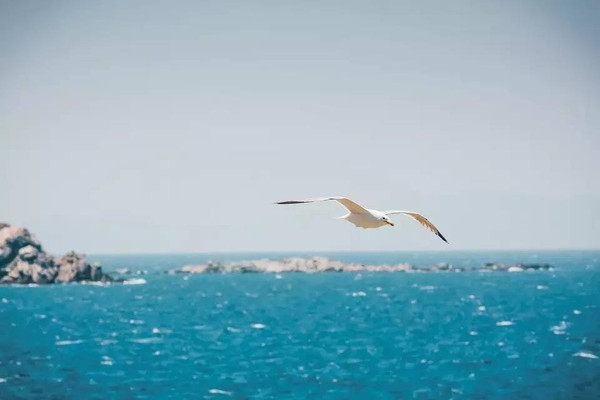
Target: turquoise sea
[[472, 335]]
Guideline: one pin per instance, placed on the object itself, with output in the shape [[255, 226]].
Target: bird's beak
[[390, 223]]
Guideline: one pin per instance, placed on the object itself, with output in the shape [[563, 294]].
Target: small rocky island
[[323, 264], [23, 261]]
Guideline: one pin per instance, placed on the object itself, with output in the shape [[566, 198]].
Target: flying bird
[[367, 218]]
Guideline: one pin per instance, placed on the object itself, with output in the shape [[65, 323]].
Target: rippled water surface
[[333, 335]]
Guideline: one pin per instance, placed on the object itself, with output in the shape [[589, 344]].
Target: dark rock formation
[[22, 260]]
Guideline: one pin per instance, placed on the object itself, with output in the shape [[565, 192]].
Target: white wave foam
[[504, 323], [135, 281], [164, 331], [219, 391], [560, 328], [259, 326], [146, 340], [584, 354], [97, 283], [107, 360], [68, 342]]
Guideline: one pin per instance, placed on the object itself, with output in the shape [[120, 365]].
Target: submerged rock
[[23, 261]]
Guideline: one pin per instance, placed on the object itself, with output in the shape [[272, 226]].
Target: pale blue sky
[[172, 126]]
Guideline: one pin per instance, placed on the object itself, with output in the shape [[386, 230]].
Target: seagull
[[367, 218]]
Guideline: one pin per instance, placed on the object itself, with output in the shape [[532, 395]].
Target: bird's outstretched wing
[[347, 203], [420, 219]]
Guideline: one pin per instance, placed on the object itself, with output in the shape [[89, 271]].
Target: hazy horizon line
[[347, 251]]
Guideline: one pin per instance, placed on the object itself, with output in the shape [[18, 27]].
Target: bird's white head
[[384, 218]]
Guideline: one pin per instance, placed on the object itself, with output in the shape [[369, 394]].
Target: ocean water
[[474, 335]]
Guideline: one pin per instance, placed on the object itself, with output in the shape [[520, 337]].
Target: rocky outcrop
[[23, 261], [516, 267], [12, 240], [323, 264]]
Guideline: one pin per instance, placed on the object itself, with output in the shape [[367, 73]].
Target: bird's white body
[[371, 220], [367, 218]]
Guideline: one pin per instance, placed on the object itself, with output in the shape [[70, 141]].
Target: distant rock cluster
[[296, 264], [323, 264], [23, 261]]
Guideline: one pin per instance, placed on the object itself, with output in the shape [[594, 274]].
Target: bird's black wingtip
[[443, 238]]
